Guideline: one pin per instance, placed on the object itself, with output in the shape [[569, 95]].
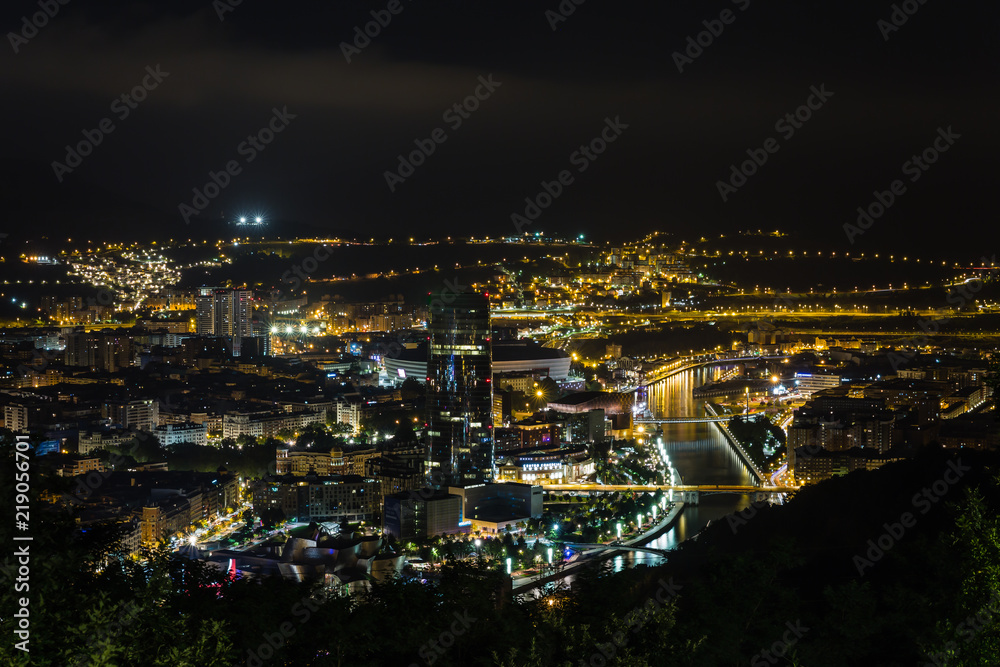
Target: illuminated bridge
[[618, 547], [688, 493], [684, 420], [700, 360]]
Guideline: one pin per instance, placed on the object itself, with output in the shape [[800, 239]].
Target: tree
[[271, 516], [404, 432], [411, 389], [341, 429], [145, 447]]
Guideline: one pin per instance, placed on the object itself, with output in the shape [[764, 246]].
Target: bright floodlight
[[243, 219], [260, 219], [274, 330]]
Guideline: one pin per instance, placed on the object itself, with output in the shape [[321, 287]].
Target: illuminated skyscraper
[[204, 306], [227, 313], [459, 389]]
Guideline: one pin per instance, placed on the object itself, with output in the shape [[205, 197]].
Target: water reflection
[[701, 455]]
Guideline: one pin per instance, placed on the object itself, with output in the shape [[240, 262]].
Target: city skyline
[[500, 334]]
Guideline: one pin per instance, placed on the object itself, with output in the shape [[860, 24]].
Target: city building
[[69, 465], [353, 409], [227, 313], [970, 431], [811, 466], [424, 513], [809, 383], [167, 503], [396, 472], [510, 360], [492, 507], [174, 434], [267, 423], [301, 462], [88, 441], [459, 388], [527, 357], [839, 423], [349, 498], [590, 426], [15, 417], [107, 350], [139, 414], [612, 403], [165, 518], [560, 466]]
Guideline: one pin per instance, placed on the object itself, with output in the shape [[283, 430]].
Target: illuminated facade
[[459, 389], [227, 313]]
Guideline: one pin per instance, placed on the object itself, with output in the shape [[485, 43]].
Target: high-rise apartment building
[[108, 350], [203, 308], [140, 414], [227, 313]]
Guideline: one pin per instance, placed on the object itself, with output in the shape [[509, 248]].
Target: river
[[701, 455]]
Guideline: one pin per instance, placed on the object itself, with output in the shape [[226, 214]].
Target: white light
[[260, 219], [243, 219]]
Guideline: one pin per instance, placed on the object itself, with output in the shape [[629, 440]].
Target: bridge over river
[[684, 420], [688, 493]]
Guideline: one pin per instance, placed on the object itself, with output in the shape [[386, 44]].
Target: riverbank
[[589, 556], [735, 443]]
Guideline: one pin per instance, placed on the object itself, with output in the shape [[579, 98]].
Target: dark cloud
[[605, 60]]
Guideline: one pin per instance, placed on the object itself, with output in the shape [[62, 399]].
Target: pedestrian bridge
[[684, 420], [687, 493], [617, 547]]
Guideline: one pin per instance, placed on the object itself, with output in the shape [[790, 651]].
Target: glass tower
[[459, 389]]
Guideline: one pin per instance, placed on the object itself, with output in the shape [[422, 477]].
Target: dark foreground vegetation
[[900, 566]]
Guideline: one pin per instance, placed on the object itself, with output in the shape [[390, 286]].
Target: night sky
[[325, 171]]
